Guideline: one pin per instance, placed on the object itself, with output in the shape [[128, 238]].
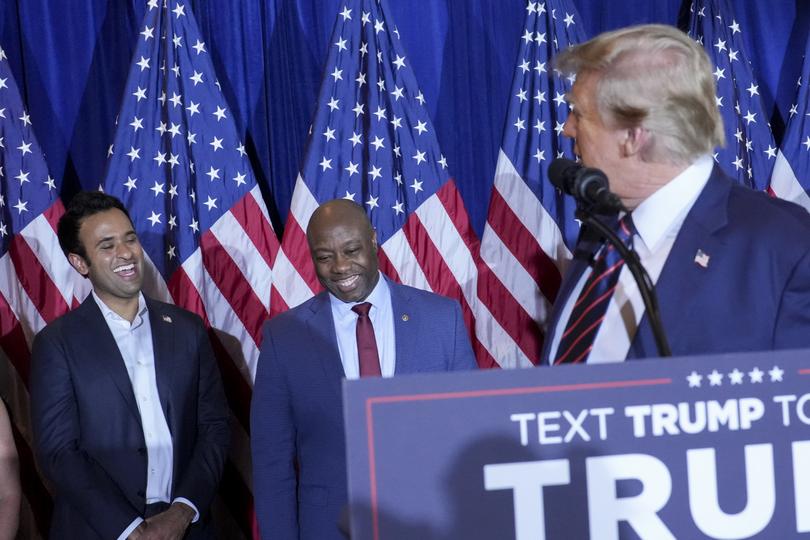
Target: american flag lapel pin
[[702, 258], [167, 319]]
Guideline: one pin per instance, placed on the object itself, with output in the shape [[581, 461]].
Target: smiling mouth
[[347, 283], [126, 270]]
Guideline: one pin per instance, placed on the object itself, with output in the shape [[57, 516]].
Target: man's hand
[[168, 525], [138, 533]]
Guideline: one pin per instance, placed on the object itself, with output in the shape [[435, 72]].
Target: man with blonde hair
[[731, 265]]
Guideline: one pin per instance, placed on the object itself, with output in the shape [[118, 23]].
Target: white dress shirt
[[382, 318], [658, 220], [134, 341]]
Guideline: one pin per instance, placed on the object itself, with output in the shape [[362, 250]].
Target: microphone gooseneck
[[587, 185]]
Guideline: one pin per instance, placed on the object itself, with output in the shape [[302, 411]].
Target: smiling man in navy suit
[[731, 266], [362, 325], [129, 416]]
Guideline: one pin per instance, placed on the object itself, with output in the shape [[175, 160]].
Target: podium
[[694, 447]]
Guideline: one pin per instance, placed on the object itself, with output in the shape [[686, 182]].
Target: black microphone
[[587, 185]]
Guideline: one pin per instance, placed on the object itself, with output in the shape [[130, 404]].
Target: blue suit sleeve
[[792, 327], [273, 436], [463, 357], [74, 473]]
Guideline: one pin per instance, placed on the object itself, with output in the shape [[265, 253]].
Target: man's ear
[[635, 140], [78, 262]]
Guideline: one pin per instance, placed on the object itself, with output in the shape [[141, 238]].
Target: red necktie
[[366, 342]]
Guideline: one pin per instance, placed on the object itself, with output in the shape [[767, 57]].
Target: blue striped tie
[[591, 305]]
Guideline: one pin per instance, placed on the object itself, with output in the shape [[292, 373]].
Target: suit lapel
[[405, 328], [105, 353], [572, 276], [163, 347], [323, 340], [682, 276]]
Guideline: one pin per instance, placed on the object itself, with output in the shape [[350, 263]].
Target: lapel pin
[[167, 319], [702, 259], [405, 317]]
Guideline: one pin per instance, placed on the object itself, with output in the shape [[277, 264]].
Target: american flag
[[179, 166], [36, 282], [750, 150], [791, 174], [530, 225], [372, 141]]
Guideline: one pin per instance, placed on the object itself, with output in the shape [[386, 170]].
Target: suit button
[[141, 493], [142, 451]]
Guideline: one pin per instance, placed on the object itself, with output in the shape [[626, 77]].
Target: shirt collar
[[659, 212], [111, 315], [376, 297]]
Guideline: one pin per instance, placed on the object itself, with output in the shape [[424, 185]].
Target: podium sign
[[698, 447]]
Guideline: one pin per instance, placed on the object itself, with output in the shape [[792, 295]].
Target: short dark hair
[[83, 205]]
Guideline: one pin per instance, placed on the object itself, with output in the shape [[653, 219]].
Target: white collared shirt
[[382, 318], [658, 220]]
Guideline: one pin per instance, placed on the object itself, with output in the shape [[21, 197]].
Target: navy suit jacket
[[87, 428], [297, 409], [754, 293]]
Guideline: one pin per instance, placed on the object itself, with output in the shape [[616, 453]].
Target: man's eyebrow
[[105, 239]]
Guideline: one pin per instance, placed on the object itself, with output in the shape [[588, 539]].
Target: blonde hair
[[657, 78]]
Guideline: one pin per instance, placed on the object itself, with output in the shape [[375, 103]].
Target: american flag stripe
[[498, 315], [529, 224], [518, 260], [255, 273], [239, 300], [511, 315], [35, 281], [400, 257], [300, 276], [220, 314], [786, 185], [21, 304], [41, 237], [251, 215], [538, 226]]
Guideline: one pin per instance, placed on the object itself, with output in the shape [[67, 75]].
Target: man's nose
[[569, 128], [123, 251]]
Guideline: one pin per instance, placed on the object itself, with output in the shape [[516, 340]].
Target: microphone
[[587, 185]]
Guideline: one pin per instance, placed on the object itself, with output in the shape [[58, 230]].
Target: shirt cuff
[[191, 504], [132, 526]]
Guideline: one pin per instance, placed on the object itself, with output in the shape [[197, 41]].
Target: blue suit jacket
[[297, 409], [754, 293], [87, 428]]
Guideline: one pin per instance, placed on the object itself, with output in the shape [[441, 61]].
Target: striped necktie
[[591, 305]]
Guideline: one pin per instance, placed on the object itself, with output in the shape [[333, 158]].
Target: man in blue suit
[[129, 416], [299, 451], [731, 266]]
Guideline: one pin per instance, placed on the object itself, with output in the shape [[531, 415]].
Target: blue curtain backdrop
[[70, 59]]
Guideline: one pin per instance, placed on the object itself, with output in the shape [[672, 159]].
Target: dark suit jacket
[[297, 410], [87, 428], [754, 293]]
